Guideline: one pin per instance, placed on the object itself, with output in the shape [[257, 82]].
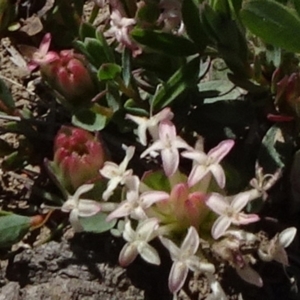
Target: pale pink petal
[[141, 133], [177, 277], [171, 246], [123, 210], [197, 173], [156, 146], [148, 253], [45, 44], [170, 160], [217, 203], [197, 156], [220, 226], [128, 254], [167, 131], [281, 256], [88, 208], [151, 197], [132, 183], [111, 186], [147, 229], [218, 174], [243, 219], [220, 151], [165, 114], [180, 143], [82, 190], [239, 201], [109, 170], [249, 275], [74, 220], [195, 265], [287, 236], [128, 233], [128, 156], [191, 242]]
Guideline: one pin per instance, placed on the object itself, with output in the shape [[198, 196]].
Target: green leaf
[[107, 50], [193, 26], [126, 66], [164, 42], [12, 229], [297, 6], [149, 12], [6, 98], [87, 30], [179, 82], [96, 51], [97, 223], [157, 181], [273, 22], [89, 120], [109, 71]]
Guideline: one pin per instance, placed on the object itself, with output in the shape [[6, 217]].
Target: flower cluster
[[168, 203]]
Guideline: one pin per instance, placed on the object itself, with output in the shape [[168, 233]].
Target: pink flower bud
[[78, 156], [70, 77]]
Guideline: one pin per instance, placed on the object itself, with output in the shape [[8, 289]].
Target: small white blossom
[[229, 211], [150, 124], [210, 162], [135, 203], [78, 207], [184, 258], [274, 250], [117, 174], [168, 144], [137, 243]]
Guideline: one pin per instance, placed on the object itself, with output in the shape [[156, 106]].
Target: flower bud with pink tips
[[78, 156]]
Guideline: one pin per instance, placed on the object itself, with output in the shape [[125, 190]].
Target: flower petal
[[220, 226], [217, 203], [191, 242], [218, 174], [82, 190], [239, 201], [128, 254], [167, 131], [177, 277], [128, 233], [249, 275], [287, 236], [170, 160], [87, 208], [111, 186], [149, 198], [171, 246], [244, 219], [221, 150], [74, 220], [148, 253], [197, 173], [146, 230], [124, 209]]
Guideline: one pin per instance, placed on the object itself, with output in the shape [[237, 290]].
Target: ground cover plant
[[170, 125]]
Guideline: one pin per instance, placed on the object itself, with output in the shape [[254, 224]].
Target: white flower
[[229, 209], [135, 204], [117, 174], [184, 258], [150, 124], [274, 250], [168, 144], [78, 207], [210, 162], [137, 243]]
